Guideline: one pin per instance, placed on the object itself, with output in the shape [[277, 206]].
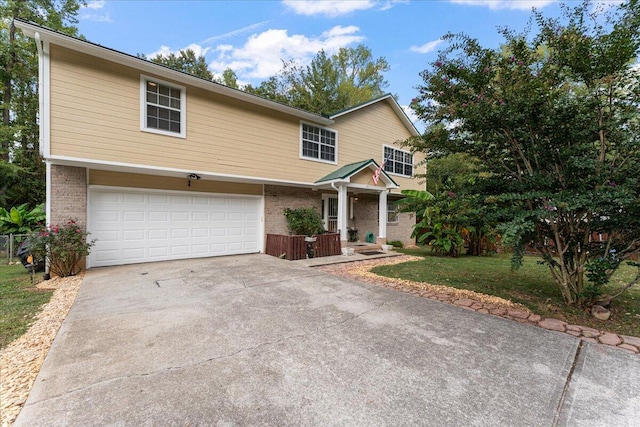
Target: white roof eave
[[121, 58]]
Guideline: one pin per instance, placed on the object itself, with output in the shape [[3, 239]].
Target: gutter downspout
[[41, 132]]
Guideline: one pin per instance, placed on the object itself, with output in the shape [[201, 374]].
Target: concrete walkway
[[254, 340]]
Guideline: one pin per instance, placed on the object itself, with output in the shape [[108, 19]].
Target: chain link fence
[[9, 244]]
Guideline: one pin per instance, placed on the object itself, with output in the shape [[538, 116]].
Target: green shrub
[[396, 243], [62, 247], [304, 221]]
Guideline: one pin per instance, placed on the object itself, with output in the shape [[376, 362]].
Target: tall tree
[[555, 120], [229, 78], [21, 168], [186, 61], [329, 83]]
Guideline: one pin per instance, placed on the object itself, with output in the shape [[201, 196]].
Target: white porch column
[[342, 212], [382, 215]]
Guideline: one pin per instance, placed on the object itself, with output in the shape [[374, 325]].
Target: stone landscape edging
[[469, 300]]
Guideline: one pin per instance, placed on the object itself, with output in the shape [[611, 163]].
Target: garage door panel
[[179, 216], [134, 198], [201, 216], [136, 235], [159, 252], [134, 253], [130, 216], [200, 233], [106, 236], [138, 226], [158, 216], [157, 199]]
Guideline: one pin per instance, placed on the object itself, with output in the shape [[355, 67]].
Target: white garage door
[[142, 226]]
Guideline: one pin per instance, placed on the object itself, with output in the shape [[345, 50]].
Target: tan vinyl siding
[[95, 115], [367, 130], [365, 177], [134, 180]]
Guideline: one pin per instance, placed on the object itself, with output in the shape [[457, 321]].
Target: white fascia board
[[161, 71], [172, 172], [394, 105]]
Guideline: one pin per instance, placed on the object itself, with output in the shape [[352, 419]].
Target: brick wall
[[68, 195], [402, 229], [365, 213], [277, 198]]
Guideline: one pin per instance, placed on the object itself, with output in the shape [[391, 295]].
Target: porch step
[[364, 247]]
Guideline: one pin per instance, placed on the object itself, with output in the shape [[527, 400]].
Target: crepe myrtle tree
[[554, 119]]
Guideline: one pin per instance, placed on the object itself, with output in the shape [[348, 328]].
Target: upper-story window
[[399, 162], [163, 107], [318, 144]]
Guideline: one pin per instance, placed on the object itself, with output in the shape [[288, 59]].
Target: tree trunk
[[5, 144]]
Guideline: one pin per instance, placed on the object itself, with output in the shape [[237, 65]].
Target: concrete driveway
[[255, 340]]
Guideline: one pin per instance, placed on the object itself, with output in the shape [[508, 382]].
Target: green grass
[[531, 285], [19, 302]]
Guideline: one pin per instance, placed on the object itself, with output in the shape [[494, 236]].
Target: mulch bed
[[21, 360]]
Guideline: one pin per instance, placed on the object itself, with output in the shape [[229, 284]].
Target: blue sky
[[253, 37]]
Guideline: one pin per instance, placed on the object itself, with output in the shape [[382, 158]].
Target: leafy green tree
[[329, 83], [554, 120], [230, 78], [22, 173], [185, 61], [273, 88]]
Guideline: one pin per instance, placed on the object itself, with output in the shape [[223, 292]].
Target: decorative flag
[[376, 174]]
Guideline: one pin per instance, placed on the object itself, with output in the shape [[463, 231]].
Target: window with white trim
[[163, 107], [392, 212], [399, 162], [318, 143]]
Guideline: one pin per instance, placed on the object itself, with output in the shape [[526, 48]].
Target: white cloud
[[166, 50], [95, 4], [232, 33], [90, 12], [262, 54], [507, 4], [96, 17], [413, 117], [329, 8], [390, 3], [427, 47]]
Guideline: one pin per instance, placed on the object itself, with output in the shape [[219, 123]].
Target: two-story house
[[158, 164]]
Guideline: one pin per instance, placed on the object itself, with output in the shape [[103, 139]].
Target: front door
[[330, 213]]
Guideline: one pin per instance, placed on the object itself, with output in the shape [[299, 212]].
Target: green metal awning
[[351, 169]]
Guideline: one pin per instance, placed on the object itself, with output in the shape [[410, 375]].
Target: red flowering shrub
[[62, 246]]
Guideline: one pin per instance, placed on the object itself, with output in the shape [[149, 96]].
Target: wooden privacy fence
[[287, 247], [295, 247], [327, 245]]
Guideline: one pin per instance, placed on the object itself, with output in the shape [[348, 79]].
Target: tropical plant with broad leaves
[[20, 219]]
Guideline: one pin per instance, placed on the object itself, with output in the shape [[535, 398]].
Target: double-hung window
[[392, 212], [399, 162], [163, 107], [318, 144]]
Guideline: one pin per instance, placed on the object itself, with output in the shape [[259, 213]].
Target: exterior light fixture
[[192, 176]]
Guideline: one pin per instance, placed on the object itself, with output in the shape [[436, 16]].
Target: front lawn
[[531, 286], [19, 302]]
